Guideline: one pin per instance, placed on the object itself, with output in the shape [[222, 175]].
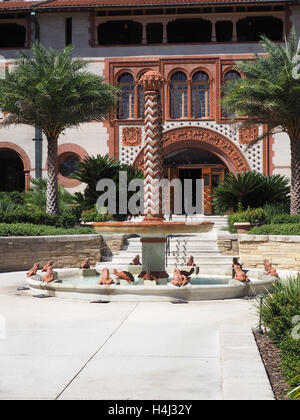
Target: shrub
[[94, 168], [272, 210], [29, 229], [285, 218], [15, 197], [279, 307], [272, 229], [290, 354], [94, 216], [251, 189], [39, 217], [250, 215]]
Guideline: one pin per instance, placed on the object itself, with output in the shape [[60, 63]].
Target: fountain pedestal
[[153, 258]]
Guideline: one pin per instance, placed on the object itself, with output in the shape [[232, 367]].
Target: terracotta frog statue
[[190, 261], [85, 264], [269, 270], [33, 270], [240, 275], [49, 277], [136, 261], [149, 276], [49, 264], [179, 279], [105, 277], [124, 275]]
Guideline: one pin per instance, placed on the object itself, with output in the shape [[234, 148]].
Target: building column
[[165, 33], [234, 34], [144, 35], [213, 32]]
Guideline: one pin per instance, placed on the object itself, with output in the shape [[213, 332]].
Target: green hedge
[[249, 215], [65, 220], [277, 313], [280, 229], [94, 216], [29, 229], [290, 353]]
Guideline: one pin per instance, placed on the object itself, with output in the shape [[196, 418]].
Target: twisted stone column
[[152, 82]]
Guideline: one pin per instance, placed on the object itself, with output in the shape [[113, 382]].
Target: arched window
[[141, 102], [230, 76], [126, 98], [178, 95], [200, 95]]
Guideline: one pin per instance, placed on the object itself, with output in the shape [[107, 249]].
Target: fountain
[[152, 280], [153, 229]]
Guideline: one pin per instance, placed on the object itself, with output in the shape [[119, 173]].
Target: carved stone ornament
[[205, 136], [248, 134], [132, 136]]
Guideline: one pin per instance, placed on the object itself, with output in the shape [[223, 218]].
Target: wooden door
[[207, 183], [211, 179]]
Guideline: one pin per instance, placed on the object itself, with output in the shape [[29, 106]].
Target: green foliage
[[252, 216], [36, 198], [285, 218], [38, 217], [93, 215], [93, 169], [29, 229], [294, 394], [15, 197], [54, 91], [272, 229], [250, 189], [269, 93], [290, 353], [8, 206], [275, 209], [279, 308]]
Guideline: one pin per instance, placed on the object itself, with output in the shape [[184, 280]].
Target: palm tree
[[270, 94], [53, 91]]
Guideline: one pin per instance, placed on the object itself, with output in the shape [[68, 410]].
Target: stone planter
[[242, 227]]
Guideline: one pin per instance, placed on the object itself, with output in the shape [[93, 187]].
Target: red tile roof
[[16, 5], [51, 4], [128, 3]]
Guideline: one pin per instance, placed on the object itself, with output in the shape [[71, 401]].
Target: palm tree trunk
[[295, 187], [52, 187]]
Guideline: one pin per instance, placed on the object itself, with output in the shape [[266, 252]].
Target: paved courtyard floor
[[56, 349]]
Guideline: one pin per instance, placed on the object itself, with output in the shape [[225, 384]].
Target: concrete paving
[[56, 349]]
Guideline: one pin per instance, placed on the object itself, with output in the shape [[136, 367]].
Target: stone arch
[[24, 158], [202, 138]]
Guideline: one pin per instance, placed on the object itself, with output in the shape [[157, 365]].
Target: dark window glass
[[68, 165], [178, 95], [126, 96], [200, 95]]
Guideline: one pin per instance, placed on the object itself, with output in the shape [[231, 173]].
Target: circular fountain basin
[[153, 227], [82, 284]]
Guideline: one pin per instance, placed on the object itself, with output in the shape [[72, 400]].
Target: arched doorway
[[12, 176], [193, 163], [208, 153]]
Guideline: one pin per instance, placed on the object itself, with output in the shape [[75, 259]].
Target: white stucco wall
[[281, 154]]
